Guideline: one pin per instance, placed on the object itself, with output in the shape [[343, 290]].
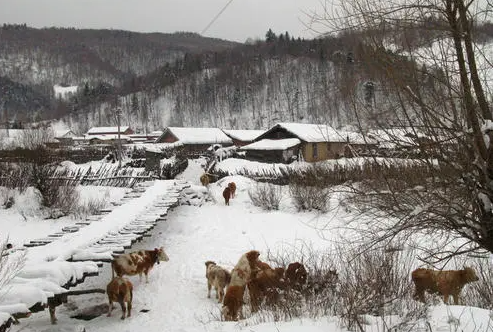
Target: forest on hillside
[[199, 81]]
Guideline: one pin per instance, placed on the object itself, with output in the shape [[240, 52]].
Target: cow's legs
[[129, 307], [221, 295], [53, 318], [110, 308], [122, 304]]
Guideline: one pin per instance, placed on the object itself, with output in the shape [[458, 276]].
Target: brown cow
[[218, 277], [232, 188], [204, 179], [241, 274], [263, 266], [233, 301], [138, 262], [227, 195], [296, 275], [120, 290], [265, 284], [445, 283]]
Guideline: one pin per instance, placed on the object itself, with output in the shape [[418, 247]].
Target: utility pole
[[118, 116]]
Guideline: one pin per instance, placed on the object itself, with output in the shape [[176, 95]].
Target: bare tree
[[430, 80]]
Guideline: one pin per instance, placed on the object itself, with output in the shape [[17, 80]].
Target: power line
[[216, 17]]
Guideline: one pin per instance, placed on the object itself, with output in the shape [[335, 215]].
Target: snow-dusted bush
[[7, 197], [266, 195], [91, 206], [376, 283], [307, 197]]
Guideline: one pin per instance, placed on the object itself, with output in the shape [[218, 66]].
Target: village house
[[243, 137], [317, 142], [194, 140]]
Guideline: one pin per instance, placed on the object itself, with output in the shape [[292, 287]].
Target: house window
[[314, 150]]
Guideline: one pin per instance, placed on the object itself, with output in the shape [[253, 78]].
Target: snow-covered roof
[[393, 136], [105, 130], [160, 147], [313, 132], [357, 138], [199, 135], [243, 134], [108, 137], [272, 144], [64, 133], [155, 133]]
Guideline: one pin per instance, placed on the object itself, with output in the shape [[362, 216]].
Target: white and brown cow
[[240, 276], [138, 262]]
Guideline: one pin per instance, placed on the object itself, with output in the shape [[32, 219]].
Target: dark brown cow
[[120, 290], [138, 262], [296, 275], [227, 195], [265, 285], [232, 189], [445, 283]]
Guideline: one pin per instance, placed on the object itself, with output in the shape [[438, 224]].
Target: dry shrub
[[306, 198], [92, 206], [67, 199], [266, 195], [377, 283]]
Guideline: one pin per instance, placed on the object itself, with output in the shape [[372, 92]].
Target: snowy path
[[176, 295]]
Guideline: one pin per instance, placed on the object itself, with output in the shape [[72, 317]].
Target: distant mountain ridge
[[109, 55], [41, 58]]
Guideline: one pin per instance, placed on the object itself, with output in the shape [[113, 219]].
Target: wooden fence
[[106, 175]]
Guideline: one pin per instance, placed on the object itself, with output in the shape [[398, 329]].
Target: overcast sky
[[241, 19]]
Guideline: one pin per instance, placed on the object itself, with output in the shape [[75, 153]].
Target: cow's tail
[[112, 269]]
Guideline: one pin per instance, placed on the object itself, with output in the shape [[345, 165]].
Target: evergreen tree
[[270, 36]]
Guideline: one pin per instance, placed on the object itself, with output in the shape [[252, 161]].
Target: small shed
[[242, 137], [65, 137], [195, 141], [273, 150]]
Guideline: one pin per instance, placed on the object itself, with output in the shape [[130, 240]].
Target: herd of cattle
[[263, 282]]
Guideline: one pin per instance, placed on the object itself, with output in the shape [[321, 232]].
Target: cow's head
[[469, 275], [210, 263], [161, 255]]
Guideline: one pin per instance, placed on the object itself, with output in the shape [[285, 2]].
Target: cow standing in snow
[[138, 262], [446, 283], [120, 290]]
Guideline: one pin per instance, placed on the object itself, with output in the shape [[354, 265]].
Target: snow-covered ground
[[175, 299]]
